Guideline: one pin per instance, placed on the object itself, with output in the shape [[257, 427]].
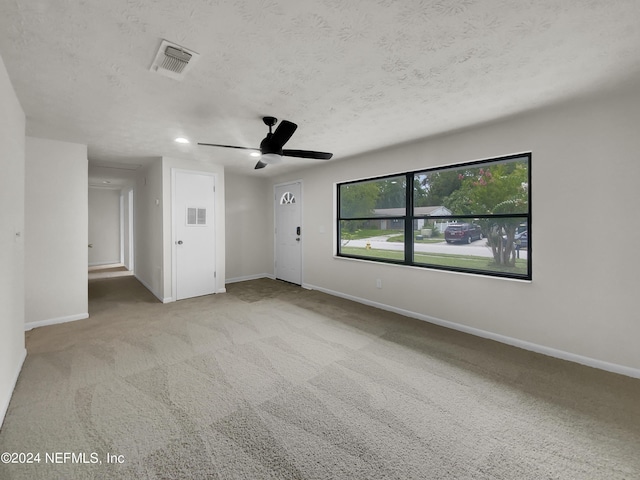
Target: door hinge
[[215, 274]]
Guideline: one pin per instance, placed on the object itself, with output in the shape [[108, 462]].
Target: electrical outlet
[[378, 283]]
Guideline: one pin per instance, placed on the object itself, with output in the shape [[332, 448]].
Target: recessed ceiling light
[[182, 140], [255, 154]]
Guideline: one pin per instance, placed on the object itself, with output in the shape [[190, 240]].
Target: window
[[473, 217], [370, 212], [287, 199]]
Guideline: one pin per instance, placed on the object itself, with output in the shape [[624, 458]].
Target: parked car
[[522, 239], [462, 233]]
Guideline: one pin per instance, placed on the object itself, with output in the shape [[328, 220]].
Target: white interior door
[[194, 234], [288, 208]]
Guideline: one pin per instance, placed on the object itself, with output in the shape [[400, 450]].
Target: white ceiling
[[355, 75]]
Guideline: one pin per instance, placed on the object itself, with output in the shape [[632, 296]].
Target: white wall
[[12, 153], [153, 230], [56, 229], [582, 302], [249, 229], [104, 226], [148, 205]]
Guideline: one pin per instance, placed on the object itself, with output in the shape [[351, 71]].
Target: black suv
[[462, 232]]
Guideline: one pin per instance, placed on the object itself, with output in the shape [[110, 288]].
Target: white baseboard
[[249, 277], [4, 406], [54, 321], [167, 299], [145, 285], [114, 263], [533, 347]]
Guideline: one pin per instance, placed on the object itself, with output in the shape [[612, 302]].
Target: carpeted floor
[[271, 381]]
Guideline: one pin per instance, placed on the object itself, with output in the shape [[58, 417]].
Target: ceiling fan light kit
[[271, 146], [271, 158]]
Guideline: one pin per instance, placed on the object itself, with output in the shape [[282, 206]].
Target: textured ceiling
[[355, 75]]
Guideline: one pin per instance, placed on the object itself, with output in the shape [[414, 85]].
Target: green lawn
[[363, 233], [400, 238], [450, 260]]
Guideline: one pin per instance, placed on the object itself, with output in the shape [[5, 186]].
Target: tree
[[391, 193], [499, 189], [419, 194], [356, 200], [437, 187]]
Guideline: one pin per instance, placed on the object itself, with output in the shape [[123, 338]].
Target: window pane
[[485, 245], [373, 198], [500, 187], [383, 239]]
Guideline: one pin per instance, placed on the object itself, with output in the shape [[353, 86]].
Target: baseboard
[[145, 285], [4, 406], [166, 299], [54, 321], [533, 347], [249, 277], [115, 263]]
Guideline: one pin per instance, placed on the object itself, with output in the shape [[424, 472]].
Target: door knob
[[179, 242]]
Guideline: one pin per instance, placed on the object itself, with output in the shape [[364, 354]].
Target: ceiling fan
[[271, 151]]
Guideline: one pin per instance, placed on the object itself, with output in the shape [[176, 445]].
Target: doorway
[[110, 230], [288, 232]]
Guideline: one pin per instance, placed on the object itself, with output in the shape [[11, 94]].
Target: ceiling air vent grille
[[173, 61]]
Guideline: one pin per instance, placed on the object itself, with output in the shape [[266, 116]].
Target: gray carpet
[[271, 381]]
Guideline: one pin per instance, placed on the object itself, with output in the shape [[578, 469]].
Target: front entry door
[[289, 232], [194, 237]]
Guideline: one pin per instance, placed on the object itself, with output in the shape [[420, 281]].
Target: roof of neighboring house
[[399, 212]]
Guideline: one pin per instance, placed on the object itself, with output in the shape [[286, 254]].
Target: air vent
[[173, 61]]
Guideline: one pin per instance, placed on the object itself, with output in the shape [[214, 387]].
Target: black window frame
[[410, 217]]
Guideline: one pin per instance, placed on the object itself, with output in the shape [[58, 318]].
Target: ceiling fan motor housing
[[269, 121], [267, 146]]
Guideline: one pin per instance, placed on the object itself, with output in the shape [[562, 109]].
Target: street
[[478, 248]]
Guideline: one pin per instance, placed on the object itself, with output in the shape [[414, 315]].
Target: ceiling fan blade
[[259, 165], [282, 134], [228, 146], [307, 154]]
